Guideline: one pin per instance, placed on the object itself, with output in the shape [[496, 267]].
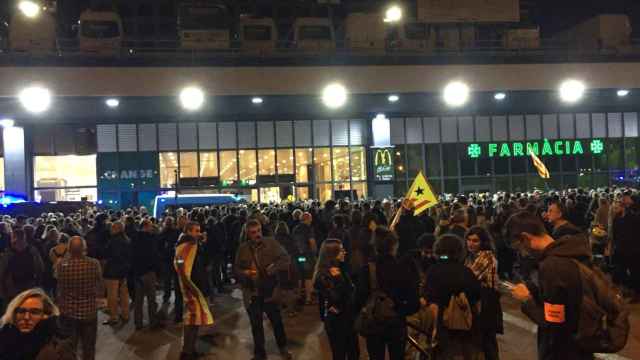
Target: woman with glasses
[[336, 299], [29, 329]]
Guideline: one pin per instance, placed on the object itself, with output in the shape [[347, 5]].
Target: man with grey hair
[[79, 282]]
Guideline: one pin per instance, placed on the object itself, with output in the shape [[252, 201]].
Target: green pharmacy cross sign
[[541, 148]]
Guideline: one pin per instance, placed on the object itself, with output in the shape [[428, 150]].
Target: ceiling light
[[456, 93], [500, 96], [29, 9], [393, 98], [334, 95], [623, 92], [192, 98], [571, 91], [112, 103], [257, 100], [35, 99], [393, 14]]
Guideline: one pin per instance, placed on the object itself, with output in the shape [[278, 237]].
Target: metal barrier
[[169, 50]]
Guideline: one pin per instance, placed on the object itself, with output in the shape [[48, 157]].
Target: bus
[[188, 201], [100, 33], [203, 25]]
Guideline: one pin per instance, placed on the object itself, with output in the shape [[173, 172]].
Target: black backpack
[[379, 311], [603, 319]]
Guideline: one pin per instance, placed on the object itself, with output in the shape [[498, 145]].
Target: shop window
[[630, 154], [360, 189], [302, 193], [188, 165], [341, 164], [415, 164], [615, 154], [66, 194], [358, 164], [267, 162], [450, 156], [399, 164], [168, 166], [322, 164], [502, 183], [229, 166], [248, 170], [303, 165], [285, 165], [208, 165], [433, 160], [65, 171], [519, 165], [324, 192]]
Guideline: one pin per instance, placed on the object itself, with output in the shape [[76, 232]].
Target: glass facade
[[65, 178]]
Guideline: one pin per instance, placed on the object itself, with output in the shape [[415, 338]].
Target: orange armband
[[554, 313]]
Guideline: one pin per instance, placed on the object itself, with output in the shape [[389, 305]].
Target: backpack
[[603, 319], [458, 315], [379, 310]]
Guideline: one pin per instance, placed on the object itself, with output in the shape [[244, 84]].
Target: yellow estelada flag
[[421, 195], [539, 165]]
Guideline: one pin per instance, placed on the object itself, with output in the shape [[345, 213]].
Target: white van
[[258, 35], [100, 33], [33, 35], [314, 35], [365, 32], [203, 26]]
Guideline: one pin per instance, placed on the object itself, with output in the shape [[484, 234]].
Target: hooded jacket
[[556, 302]]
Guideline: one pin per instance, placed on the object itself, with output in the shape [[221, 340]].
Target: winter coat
[[145, 254], [20, 271], [118, 258], [337, 292], [555, 304], [43, 343]]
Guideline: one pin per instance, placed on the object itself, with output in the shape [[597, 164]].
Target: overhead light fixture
[[334, 96], [623, 92], [192, 98], [393, 14], [500, 96], [257, 100], [571, 91], [393, 98], [35, 99], [29, 8], [112, 103], [7, 123], [456, 93]]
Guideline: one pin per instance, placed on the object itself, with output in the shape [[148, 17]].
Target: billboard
[[383, 164], [473, 11]]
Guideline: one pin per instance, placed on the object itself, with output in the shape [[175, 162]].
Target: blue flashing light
[[99, 202], [7, 200], [110, 201], [163, 200]]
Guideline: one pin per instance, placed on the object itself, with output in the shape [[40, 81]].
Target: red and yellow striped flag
[[542, 169]]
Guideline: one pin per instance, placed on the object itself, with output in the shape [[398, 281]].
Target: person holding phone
[[336, 295], [257, 264]]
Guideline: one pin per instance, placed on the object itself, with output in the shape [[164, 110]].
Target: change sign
[[383, 164]]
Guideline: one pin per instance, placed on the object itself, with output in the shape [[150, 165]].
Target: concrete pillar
[[16, 172]]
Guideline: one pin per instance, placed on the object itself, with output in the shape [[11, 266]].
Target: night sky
[[551, 15]]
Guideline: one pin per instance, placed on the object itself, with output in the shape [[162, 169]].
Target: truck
[[204, 25], [100, 33], [606, 32]]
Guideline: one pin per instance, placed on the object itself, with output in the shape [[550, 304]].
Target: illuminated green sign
[[541, 148]]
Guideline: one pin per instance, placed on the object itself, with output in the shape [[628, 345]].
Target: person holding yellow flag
[[419, 198]]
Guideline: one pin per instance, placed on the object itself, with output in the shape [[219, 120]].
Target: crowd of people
[[436, 277]]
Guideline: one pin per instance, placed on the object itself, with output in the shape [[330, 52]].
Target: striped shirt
[[79, 281]]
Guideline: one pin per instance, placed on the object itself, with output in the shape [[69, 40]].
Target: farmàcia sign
[[541, 148]]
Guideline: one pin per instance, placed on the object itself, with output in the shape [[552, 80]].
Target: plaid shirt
[[79, 281], [485, 267]]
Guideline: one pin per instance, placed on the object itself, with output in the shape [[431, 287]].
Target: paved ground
[[230, 338]]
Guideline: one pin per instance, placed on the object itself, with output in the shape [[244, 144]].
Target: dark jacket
[[625, 239], [168, 242], [336, 292], [566, 229], [457, 230], [20, 271], [43, 343], [118, 257], [409, 229], [145, 254], [447, 278], [560, 292], [397, 278], [301, 235], [97, 239], [267, 252]]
